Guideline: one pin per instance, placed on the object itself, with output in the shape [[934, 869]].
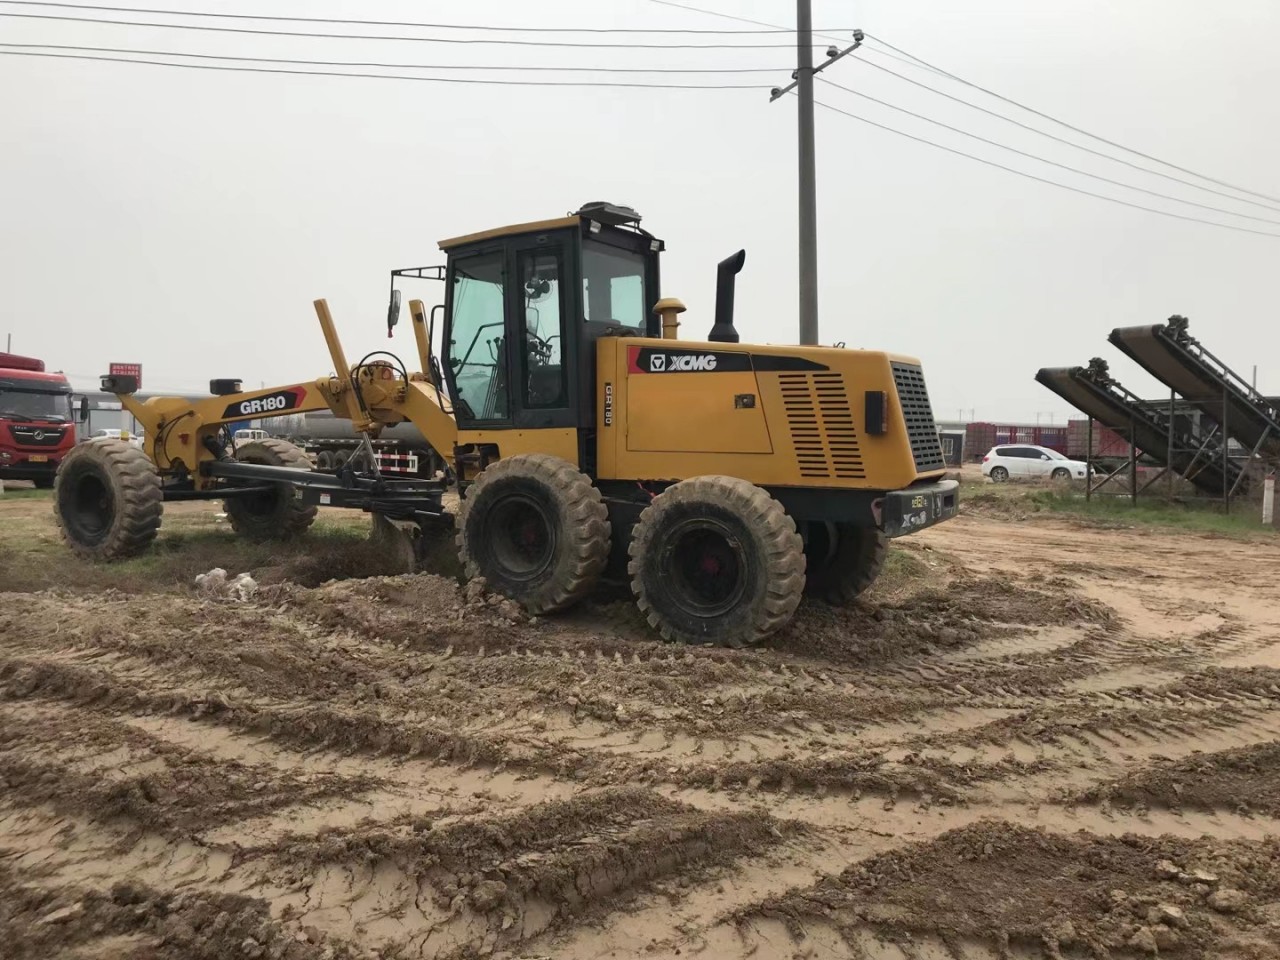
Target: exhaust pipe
[[724, 330]]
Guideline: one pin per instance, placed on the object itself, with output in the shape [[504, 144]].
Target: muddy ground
[[1036, 738]]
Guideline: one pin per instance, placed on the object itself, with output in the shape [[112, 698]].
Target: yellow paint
[[669, 309], [677, 413], [536, 226], [807, 429], [559, 442]]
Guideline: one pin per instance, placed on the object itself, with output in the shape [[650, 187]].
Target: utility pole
[[808, 176], [802, 84]]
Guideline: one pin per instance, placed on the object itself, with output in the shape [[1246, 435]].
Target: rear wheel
[[999, 474], [716, 560], [278, 514], [537, 530], [842, 560], [107, 500]]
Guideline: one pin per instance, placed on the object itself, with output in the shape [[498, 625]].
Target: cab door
[[477, 355]]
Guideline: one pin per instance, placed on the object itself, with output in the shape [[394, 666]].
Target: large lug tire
[[716, 560], [843, 561], [278, 514], [537, 530], [107, 500]]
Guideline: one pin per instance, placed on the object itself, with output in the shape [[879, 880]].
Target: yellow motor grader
[[726, 479]]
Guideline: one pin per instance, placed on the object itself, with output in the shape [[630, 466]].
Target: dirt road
[[1039, 739]]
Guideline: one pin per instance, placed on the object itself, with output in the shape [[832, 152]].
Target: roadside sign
[[127, 370]]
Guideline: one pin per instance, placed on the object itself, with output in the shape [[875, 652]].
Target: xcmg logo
[[662, 363]]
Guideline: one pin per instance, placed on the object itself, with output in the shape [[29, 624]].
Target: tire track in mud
[[484, 783], [1032, 893]]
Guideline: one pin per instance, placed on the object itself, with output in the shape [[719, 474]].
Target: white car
[[110, 433], [1023, 461]]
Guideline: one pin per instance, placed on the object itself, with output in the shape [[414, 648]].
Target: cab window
[[541, 293], [477, 345], [613, 286]]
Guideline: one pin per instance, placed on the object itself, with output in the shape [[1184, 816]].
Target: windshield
[[1055, 455], [31, 405]]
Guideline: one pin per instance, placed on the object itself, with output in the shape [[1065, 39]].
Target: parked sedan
[[1022, 461]]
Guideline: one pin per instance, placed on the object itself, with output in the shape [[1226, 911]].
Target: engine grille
[[821, 425], [922, 432], [25, 436]]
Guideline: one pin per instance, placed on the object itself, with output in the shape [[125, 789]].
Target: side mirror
[[82, 412], [393, 311]]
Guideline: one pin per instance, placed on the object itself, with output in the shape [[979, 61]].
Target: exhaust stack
[[724, 330]]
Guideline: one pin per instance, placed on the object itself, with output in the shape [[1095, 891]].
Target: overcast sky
[[185, 219]]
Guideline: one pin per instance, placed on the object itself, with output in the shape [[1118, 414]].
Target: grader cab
[[725, 480]]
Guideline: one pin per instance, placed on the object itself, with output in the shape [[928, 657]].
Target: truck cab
[[37, 420]]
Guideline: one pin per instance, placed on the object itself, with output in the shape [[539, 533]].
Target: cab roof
[[599, 212]]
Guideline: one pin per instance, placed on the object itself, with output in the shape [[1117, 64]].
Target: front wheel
[[537, 530], [716, 560], [1061, 473], [999, 474], [107, 500], [278, 513]]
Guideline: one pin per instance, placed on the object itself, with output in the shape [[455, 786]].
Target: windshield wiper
[[15, 415]]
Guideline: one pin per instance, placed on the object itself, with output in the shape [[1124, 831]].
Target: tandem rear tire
[[107, 500], [843, 561], [277, 514], [716, 560], [537, 530]]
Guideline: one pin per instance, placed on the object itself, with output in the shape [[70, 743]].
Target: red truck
[[37, 420]]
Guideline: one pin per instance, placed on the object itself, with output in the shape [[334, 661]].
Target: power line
[[257, 31], [387, 66], [387, 76], [1063, 140], [913, 60], [1052, 183], [378, 23], [1052, 163], [1063, 123]]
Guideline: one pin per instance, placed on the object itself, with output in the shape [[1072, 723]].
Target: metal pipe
[[1226, 447], [808, 240], [1088, 464], [1133, 463]]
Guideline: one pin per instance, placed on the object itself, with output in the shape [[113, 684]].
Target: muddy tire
[[279, 514], [537, 530], [843, 561], [999, 474], [716, 560], [107, 500], [324, 461]]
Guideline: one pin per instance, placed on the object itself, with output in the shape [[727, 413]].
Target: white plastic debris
[[244, 587], [216, 584], [213, 581]]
